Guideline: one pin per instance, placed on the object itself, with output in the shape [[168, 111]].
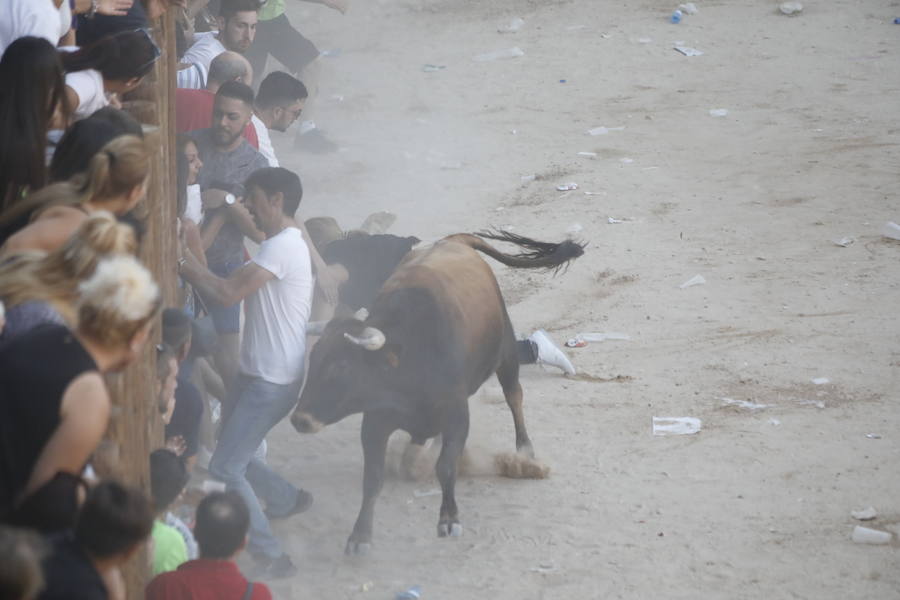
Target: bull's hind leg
[[374, 442], [508, 376], [455, 433]]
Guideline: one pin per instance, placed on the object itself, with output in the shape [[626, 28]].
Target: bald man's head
[[228, 66]]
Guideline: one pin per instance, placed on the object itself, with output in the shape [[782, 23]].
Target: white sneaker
[[549, 353]]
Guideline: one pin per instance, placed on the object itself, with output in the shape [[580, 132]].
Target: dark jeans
[[279, 38]]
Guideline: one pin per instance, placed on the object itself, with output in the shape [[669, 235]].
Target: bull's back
[[465, 299]]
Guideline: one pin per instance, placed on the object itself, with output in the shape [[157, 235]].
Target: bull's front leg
[[455, 433], [374, 436]]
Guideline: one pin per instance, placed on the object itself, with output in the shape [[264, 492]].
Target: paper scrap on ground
[[866, 514], [820, 380], [499, 54], [864, 535], [843, 242], [676, 425], [790, 8], [687, 51], [433, 68], [603, 130], [588, 154], [688, 8], [891, 230], [567, 187], [602, 337], [718, 112], [426, 493], [695, 280], [744, 404], [511, 27]]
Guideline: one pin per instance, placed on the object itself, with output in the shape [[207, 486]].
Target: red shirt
[[204, 579], [193, 110]]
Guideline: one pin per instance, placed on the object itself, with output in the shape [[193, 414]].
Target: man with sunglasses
[[278, 104]]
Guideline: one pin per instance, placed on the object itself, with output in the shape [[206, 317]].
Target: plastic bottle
[[676, 16], [411, 594]]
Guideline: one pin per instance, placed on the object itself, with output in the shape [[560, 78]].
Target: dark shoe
[[304, 501], [280, 568]]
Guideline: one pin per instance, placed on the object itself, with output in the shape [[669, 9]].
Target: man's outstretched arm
[[226, 292]]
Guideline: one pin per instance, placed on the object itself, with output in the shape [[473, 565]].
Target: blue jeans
[[259, 406]]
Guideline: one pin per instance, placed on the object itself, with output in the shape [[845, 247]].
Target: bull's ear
[[392, 359], [392, 355]]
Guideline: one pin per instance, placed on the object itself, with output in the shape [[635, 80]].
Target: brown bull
[[436, 331]]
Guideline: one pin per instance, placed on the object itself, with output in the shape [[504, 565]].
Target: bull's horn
[[371, 339]]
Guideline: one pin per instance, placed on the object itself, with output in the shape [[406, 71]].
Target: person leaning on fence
[[221, 532], [39, 288], [115, 181], [111, 526], [55, 406]]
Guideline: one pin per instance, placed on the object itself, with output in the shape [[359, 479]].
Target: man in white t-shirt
[[278, 104], [277, 287], [237, 28]]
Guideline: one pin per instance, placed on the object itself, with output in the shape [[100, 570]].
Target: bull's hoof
[[355, 548], [449, 530]]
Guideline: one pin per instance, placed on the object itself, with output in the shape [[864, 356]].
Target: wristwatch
[[230, 199]]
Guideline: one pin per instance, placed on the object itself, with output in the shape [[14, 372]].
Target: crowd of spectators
[[77, 304]]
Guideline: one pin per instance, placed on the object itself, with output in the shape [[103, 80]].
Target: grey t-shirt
[[228, 170]]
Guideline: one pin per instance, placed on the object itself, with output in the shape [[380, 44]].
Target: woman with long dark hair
[[34, 91], [115, 64]]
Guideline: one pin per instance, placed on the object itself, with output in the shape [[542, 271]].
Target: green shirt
[[271, 9], [169, 550]]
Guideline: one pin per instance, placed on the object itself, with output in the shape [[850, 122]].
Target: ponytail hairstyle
[[119, 167], [117, 301], [55, 277], [121, 56], [34, 89], [113, 170]]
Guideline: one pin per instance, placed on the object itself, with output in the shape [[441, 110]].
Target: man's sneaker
[[303, 502], [549, 353], [280, 568]]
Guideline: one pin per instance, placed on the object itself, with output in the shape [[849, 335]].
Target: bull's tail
[[536, 255]]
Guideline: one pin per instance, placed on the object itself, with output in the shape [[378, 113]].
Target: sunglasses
[[154, 48]]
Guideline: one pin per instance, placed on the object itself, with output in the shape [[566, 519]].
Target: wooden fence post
[[136, 428]]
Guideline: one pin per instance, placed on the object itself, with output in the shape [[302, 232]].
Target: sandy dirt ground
[[755, 505]]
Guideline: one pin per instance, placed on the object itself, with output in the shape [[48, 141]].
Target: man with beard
[[237, 28], [228, 159], [277, 285]]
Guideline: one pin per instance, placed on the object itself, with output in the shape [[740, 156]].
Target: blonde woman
[[39, 288], [55, 407], [116, 181]]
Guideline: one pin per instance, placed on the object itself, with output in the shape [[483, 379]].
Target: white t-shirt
[[206, 47], [88, 85], [37, 18], [274, 343], [194, 205], [265, 142]]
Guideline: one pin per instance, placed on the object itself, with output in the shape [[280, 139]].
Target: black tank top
[[35, 371]]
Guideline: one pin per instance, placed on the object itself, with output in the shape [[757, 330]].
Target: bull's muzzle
[[306, 423]]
